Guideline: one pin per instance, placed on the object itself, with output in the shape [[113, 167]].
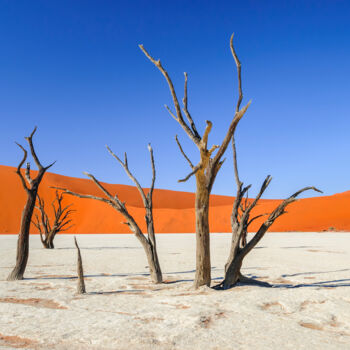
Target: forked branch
[[280, 210], [193, 135], [59, 222], [149, 242], [183, 153]]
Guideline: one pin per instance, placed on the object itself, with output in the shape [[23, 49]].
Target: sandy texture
[[173, 211], [307, 308]]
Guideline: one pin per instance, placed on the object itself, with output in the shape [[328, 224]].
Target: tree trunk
[[50, 244], [203, 267], [232, 273], [151, 251], [81, 284], [49, 240], [153, 263], [23, 238]]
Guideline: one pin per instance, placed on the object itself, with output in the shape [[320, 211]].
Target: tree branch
[[238, 65], [187, 113], [27, 174], [204, 141], [235, 165], [239, 113], [18, 170], [195, 169], [150, 193], [183, 153], [87, 196], [98, 184], [32, 150], [238, 116], [179, 118], [271, 219], [131, 176]]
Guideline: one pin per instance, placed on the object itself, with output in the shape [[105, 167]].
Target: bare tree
[[149, 242], [81, 284], [31, 186], [206, 170], [61, 220], [240, 221]]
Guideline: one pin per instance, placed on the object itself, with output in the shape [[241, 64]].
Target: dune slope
[[173, 210]]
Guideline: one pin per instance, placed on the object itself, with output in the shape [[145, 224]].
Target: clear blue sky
[[74, 69]]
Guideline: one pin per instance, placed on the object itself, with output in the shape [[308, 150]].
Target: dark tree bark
[[60, 223], [81, 284], [240, 221], [207, 168], [31, 186], [148, 243]]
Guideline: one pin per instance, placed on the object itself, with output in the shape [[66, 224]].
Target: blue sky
[[74, 69]]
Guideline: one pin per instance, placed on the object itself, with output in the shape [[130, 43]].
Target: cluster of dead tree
[[205, 172]]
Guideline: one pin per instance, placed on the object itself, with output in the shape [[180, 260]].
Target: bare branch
[[239, 113], [271, 219], [32, 150], [256, 217], [131, 176], [238, 65], [187, 113], [237, 202], [238, 116], [204, 141], [183, 153], [235, 166], [179, 118], [98, 184], [18, 170], [150, 193], [262, 190], [27, 174], [49, 166], [87, 196], [170, 112], [195, 169], [213, 149]]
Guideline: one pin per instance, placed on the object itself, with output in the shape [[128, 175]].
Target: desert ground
[[307, 307]]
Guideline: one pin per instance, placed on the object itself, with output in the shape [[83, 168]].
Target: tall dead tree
[[31, 186], [81, 284], [60, 223], [149, 242], [240, 221], [206, 170]]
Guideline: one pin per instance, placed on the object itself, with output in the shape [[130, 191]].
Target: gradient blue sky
[[74, 69]]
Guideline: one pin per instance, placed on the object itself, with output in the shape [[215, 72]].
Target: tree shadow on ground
[[312, 273], [97, 248], [321, 284], [302, 247], [129, 291], [257, 281]]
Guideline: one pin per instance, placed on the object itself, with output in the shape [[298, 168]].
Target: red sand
[[173, 211]]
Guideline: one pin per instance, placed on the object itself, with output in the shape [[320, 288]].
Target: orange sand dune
[[173, 210]]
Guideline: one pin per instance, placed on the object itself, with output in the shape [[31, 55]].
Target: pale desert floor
[[308, 306]]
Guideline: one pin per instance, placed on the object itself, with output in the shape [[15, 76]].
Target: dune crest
[[173, 210]]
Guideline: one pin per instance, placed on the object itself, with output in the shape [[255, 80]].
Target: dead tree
[[240, 221], [31, 187], [61, 220], [81, 284], [149, 242], [206, 170]]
